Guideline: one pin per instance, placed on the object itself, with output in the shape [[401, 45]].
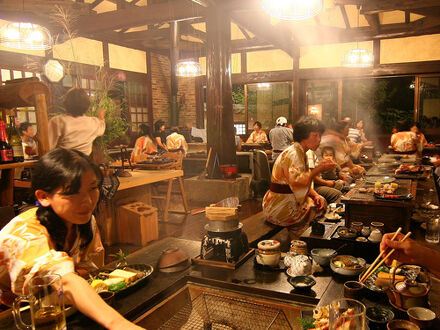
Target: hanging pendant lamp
[[358, 57], [293, 10], [188, 68], [26, 36]]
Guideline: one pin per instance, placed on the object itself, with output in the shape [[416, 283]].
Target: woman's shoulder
[[24, 223]]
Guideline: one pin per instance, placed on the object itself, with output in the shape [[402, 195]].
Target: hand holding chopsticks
[[375, 266]]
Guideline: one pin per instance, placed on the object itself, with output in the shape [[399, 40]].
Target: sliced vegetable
[[118, 286]]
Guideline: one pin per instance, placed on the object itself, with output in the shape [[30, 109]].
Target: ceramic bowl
[[402, 325], [172, 257], [107, 296], [347, 265], [353, 289], [302, 282], [345, 232], [378, 316], [421, 316], [268, 253], [375, 236], [323, 256]]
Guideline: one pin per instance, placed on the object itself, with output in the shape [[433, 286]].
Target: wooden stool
[[178, 156]]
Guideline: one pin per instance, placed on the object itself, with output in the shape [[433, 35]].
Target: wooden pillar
[[42, 124], [220, 121], [295, 111], [174, 56]]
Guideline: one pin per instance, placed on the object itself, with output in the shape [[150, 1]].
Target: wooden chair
[[177, 165]]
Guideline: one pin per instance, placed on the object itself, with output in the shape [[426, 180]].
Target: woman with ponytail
[[60, 236]]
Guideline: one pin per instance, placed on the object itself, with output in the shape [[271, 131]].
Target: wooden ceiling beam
[[129, 17], [187, 29], [429, 11], [377, 6], [260, 26], [373, 21], [345, 16]]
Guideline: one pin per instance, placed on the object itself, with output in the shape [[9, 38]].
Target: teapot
[[299, 265], [410, 292]]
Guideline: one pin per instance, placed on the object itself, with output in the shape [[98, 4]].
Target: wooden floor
[[192, 227]]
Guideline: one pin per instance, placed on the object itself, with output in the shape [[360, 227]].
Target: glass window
[[238, 104], [266, 102], [241, 128], [429, 107], [322, 99], [17, 74], [28, 74], [6, 75]]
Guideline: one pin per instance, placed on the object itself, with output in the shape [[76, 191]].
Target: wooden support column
[[295, 111], [174, 56], [220, 121]]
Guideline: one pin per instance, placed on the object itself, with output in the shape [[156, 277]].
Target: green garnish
[[306, 323]]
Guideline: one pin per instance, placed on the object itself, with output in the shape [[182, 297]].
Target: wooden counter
[[131, 189], [7, 181]]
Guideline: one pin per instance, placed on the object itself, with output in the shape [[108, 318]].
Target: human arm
[[78, 292], [322, 182], [411, 252], [250, 138], [323, 166], [101, 114], [159, 143], [317, 199], [53, 132]]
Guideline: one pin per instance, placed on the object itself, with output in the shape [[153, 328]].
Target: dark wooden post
[[174, 56], [220, 121]]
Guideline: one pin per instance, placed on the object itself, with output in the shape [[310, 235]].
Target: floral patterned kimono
[[293, 210], [404, 142], [257, 137], [143, 146], [177, 141], [26, 250]]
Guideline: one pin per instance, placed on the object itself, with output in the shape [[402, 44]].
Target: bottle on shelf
[[15, 141], [6, 155]]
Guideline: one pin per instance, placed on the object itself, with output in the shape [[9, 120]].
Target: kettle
[[410, 292]]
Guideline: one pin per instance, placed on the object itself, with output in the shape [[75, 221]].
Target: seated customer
[[144, 145], [281, 137], [176, 141], [404, 141], [421, 137], [28, 140], [60, 236], [334, 175], [74, 130], [291, 201], [258, 135]]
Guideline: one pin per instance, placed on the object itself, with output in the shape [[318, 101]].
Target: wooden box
[[137, 223]]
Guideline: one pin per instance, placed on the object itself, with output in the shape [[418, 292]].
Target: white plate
[[333, 216]]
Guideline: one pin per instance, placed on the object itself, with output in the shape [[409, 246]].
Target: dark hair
[[258, 124], [417, 124], [158, 124], [174, 129], [403, 125], [306, 125], [62, 168], [328, 148], [339, 125], [76, 101], [24, 126], [145, 130]]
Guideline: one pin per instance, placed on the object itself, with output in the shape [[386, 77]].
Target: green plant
[[121, 257]]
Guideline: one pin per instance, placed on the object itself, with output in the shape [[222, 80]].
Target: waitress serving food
[[60, 236], [291, 201]]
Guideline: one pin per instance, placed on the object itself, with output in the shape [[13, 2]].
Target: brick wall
[[160, 85]]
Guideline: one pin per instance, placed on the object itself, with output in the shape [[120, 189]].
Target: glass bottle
[[6, 155], [15, 141]]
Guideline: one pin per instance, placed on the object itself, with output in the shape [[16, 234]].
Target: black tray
[[146, 269], [395, 198], [335, 235]]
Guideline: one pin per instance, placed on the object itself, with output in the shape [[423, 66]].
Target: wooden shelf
[[17, 165]]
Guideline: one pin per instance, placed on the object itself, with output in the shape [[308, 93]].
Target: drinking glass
[[432, 234], [46, 301], [347, 313]]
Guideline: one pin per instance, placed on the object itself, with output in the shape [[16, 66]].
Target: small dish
[[378, 316], [347, 265], [302, 282], [353, 289], [332, 216], [345, 232], [421, 316], [361, 239], [402, 325], [107, 296], [323, 256]]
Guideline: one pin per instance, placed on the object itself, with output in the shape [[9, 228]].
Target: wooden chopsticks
[[373, 266]]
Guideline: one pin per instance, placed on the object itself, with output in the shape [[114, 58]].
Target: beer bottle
[[5, 148], [15, 141]]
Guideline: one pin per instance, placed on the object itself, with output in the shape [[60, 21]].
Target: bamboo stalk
[[386, 257], [379, 256]]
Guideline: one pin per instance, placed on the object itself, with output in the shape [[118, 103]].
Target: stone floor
[[189, 226]]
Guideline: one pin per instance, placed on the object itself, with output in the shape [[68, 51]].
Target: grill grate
[[208, 311]]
